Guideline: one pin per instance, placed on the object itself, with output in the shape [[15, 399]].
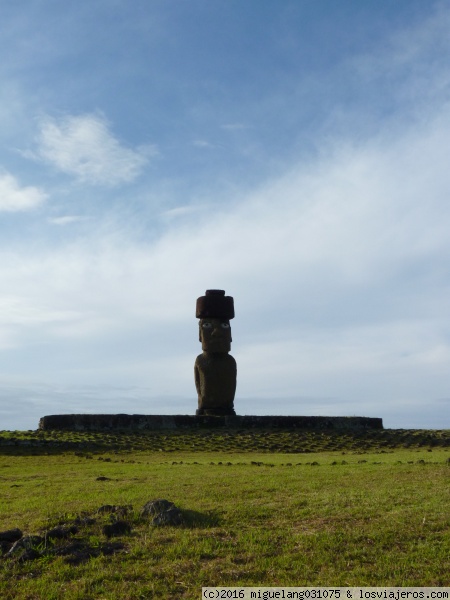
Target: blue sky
[[294, 153]]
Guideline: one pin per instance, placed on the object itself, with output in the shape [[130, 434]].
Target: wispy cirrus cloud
[[16, 198], [67, 219], [234, 126], [84, 147], [182, 211]]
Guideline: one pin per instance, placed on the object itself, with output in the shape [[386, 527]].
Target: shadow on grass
[[20, 450], [194, 519]]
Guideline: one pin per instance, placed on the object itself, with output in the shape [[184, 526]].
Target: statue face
[[215, 335]]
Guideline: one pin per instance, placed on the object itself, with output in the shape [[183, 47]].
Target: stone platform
[[107, 422]]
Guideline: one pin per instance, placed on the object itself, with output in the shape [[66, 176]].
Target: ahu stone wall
[[105, 422]]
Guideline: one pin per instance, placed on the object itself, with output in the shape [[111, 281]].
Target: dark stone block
[[167, 422]]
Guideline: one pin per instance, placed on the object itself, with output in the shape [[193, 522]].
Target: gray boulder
[[163, 512], [155, 507], [173, 516]]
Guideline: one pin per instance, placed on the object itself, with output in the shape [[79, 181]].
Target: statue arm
[[197, 377]]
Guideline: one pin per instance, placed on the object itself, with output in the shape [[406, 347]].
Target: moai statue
[[215, 369]]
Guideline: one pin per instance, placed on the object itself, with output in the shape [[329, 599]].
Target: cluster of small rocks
[[67, 540]]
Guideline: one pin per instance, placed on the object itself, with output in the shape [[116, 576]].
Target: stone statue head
[[215, 310]]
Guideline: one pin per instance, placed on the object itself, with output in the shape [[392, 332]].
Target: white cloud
[[204, 144], [234, 126], [84, 147], [15, 198], [182, 211], [409, 71], [16, 311], [67, 219]]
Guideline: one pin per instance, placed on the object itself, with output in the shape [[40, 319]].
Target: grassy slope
[[267, 508]]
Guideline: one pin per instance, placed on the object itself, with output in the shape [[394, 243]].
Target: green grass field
[[273, 508]]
